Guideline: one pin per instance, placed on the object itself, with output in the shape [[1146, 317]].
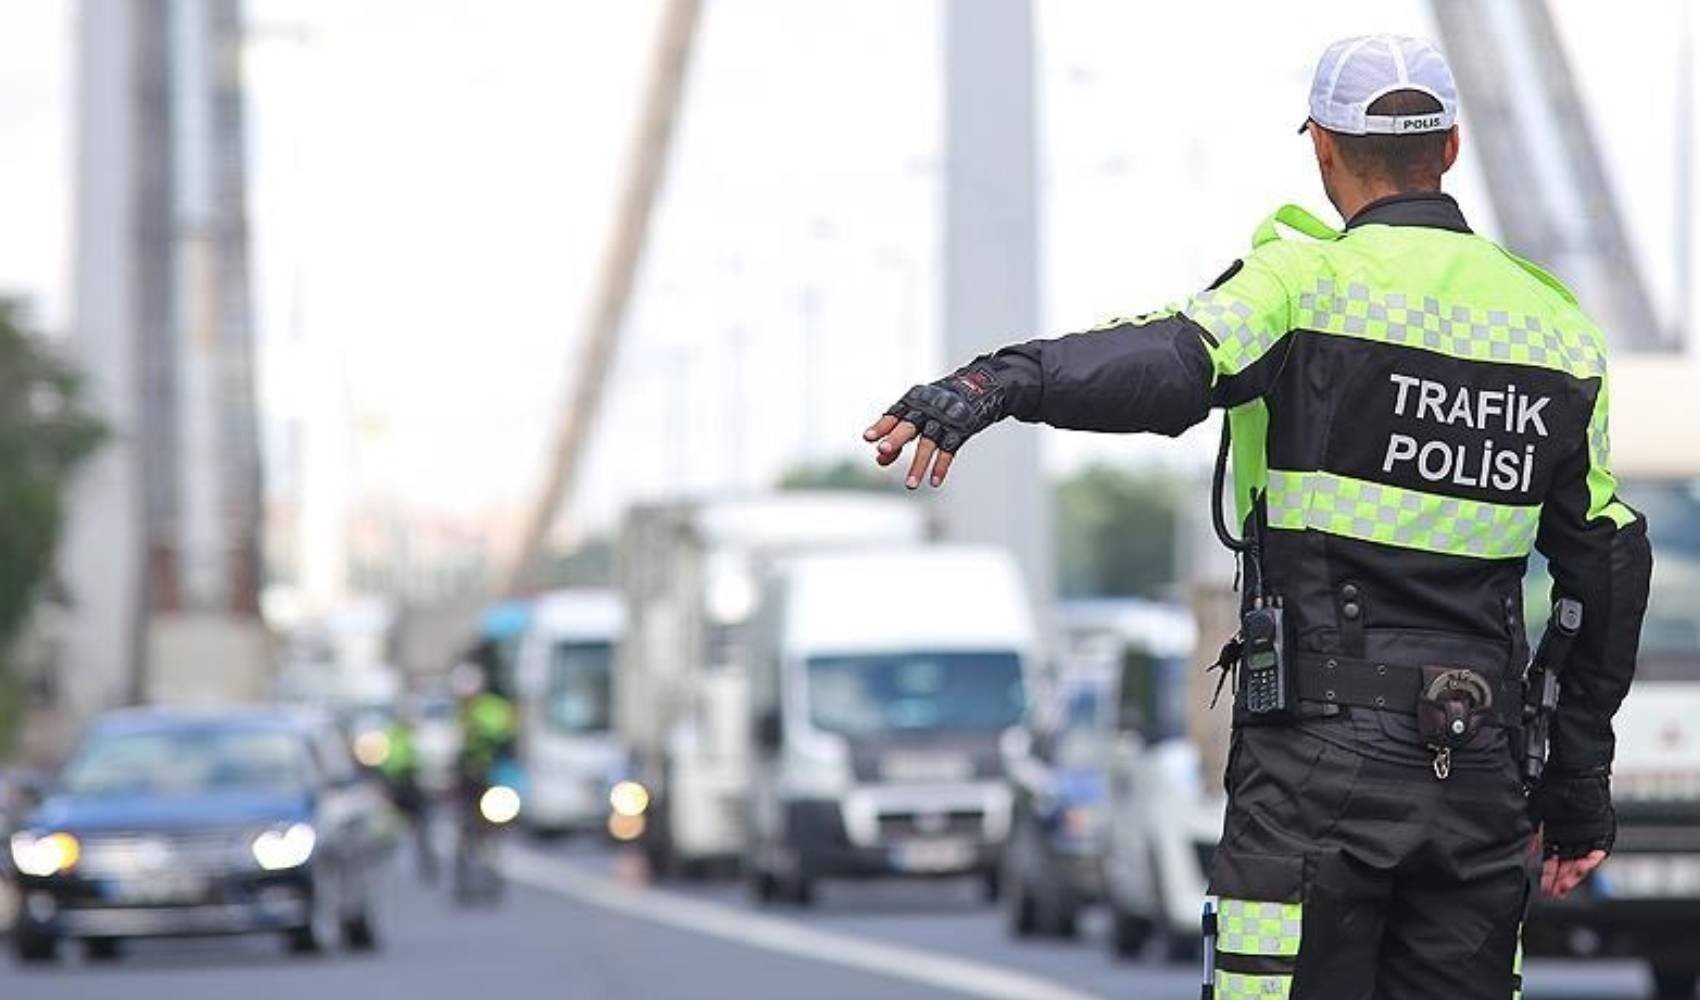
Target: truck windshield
[[1670, 638], [905, 692], [577, 696]]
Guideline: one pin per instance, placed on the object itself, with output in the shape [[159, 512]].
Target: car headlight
[[499, 804], [44, 855], [628, 798], [284, 847]]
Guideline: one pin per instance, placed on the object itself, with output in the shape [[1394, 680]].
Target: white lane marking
[[957, 975]]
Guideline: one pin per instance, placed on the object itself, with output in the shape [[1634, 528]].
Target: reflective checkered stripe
[[1602, 485], [1249, 927], [1351, 309], [1230, 985], [1375, 512], [1262, 930], [1244, 330]]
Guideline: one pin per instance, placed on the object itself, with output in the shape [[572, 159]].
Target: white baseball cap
[[1354, 72]]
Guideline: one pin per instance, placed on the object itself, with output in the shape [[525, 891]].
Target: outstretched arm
[[1129, 376], [1159, 373]]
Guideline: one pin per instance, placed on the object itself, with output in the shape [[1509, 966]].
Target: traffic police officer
[[1413, 410]]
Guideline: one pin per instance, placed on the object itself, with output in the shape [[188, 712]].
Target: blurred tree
[[1115, 533], [46, 431], [589, 565], [844, 474]]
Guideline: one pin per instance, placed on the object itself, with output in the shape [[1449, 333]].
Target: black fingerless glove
[[1575, 812], [955, 408]]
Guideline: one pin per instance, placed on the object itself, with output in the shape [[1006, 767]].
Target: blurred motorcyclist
[[400, 768], [488, 727]]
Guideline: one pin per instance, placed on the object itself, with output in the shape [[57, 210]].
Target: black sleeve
[[1131, 376], [1597, 549]]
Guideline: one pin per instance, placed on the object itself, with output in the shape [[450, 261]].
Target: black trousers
[[1346, 874]]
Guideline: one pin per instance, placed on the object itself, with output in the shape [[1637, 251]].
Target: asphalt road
[[578, 922]]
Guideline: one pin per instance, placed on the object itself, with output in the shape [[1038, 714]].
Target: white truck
[[690, 574], [1645, 900], [885, 684], [564, 675]]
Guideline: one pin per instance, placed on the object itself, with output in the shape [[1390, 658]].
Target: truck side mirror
[[769, 730]]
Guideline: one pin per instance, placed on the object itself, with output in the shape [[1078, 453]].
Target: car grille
[[210, 852], [950, 823]]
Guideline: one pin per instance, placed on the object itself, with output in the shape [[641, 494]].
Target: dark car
[[176, 822], [1053, 863]]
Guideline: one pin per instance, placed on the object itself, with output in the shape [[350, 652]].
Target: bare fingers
[[880, 428], [941, 467], [923, 457], [891, 443], [1559, 877], [891, 435]]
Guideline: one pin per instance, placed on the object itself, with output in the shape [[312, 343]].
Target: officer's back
[[1414, 411]]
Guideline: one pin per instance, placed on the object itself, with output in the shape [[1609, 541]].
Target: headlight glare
[[628, 798], [284, 847], [44, 855], [499, 804]]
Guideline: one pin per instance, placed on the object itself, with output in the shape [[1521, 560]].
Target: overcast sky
[[431, 183]]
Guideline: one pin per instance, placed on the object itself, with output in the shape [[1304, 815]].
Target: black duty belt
[[1332, 679]]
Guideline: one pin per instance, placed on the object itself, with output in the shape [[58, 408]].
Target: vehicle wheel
[[1669, 982], [802, 891], [30, 948], [321, 928], [1129, 933], [1022, 910], [1065, 921], [101, 949], [763, 887], [360, 932]]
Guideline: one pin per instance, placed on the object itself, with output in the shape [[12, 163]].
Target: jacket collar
[[1420, 208]]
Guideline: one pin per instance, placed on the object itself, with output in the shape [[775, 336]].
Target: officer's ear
[[1449, 155], [1323, 143]]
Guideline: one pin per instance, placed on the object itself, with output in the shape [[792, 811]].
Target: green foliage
[[45, 433], [845, 474], [1116, 533]]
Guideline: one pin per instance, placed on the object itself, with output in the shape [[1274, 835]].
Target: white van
[[883, 685], [567, 744]]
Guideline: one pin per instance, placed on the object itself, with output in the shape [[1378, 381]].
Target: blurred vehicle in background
[[691, 574], [1645, 900], [177, 822], [564, 679], [877, 735], [1164, 817], [1053, 863]]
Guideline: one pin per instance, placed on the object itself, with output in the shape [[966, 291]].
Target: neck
[[1360, 193]]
